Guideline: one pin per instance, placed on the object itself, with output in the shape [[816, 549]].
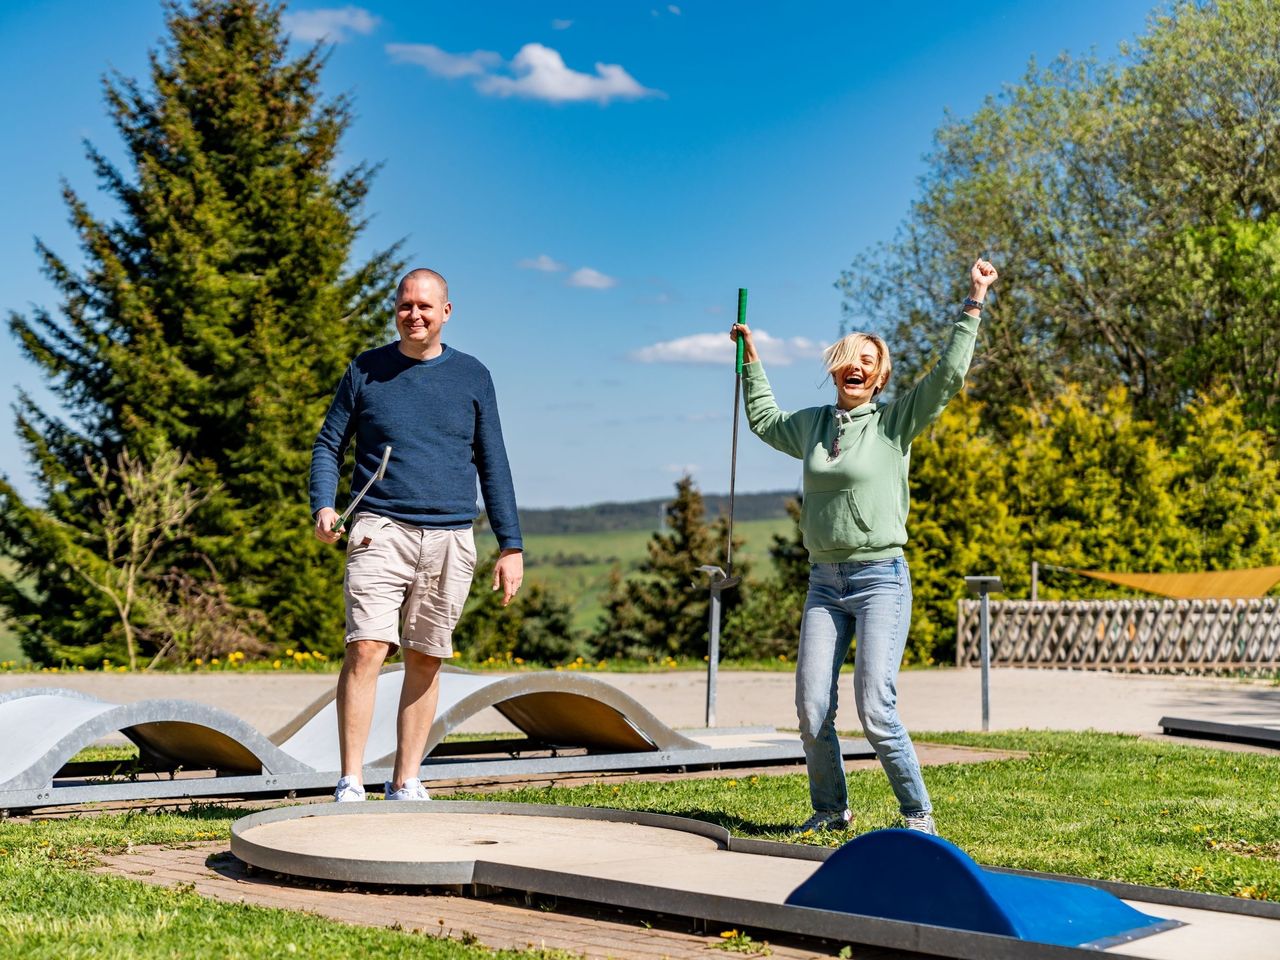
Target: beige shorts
[[406, 585]]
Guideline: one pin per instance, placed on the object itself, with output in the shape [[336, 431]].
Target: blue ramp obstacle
[[910, 876]]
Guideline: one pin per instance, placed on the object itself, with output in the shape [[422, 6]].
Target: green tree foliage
[[662, 608], [1131, 208], [1080, 482], [961, 523], [535, 626], [767, 623], [213, 317]]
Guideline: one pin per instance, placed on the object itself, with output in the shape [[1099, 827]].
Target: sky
[[595, 179]]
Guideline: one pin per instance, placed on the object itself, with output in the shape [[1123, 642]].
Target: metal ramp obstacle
[[571, 724], [890, 888], [1252, 734]]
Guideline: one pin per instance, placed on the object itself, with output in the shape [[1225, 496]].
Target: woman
[[856, 455]]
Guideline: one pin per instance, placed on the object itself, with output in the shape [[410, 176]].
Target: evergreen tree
[[536, 626], [662, 609], [213, 318], [767, 624]]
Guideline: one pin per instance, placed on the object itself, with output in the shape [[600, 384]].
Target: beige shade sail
[[1210, 585]]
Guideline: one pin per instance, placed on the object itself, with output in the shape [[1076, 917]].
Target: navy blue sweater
[[441, 418]]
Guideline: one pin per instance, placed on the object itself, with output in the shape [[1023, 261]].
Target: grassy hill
[[9, 649], [577, 565]]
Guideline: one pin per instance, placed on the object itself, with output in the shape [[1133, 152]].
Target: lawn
[[1087, 804]]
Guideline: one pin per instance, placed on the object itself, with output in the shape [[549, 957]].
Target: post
[[719, 583], [984, 587], [984, 633], [1035, 580], [713, 657]]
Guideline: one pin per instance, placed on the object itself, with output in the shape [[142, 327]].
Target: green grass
[[584, 584], [1085, 804]]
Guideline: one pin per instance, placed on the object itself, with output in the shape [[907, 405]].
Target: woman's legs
[[825, 634], [880, 596]]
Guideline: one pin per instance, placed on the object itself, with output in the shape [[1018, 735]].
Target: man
[[410, 553]]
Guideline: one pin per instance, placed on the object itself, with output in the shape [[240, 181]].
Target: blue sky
[[595, 179]]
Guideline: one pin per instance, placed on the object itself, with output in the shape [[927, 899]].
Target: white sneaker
[[411, 789], [825, 820], [922, 823], [349, 790]]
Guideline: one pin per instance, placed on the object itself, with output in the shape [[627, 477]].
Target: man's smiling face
[[422, 310]]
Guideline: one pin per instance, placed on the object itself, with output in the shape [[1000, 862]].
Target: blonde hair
[[846, 351]]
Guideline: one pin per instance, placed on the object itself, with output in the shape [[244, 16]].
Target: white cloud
[[542, 262], [441, 62], [593, 279], [717, 348], [674, 9], [335, 24], [540, 74], [561, 24]]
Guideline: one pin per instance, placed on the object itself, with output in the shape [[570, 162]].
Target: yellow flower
[[276, 665]]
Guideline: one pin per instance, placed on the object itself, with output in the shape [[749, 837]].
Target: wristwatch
[[970, 302]]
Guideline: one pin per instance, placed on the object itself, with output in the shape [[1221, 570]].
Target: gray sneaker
[[411, 789], [825, 820], [922, 823], [349, 789]]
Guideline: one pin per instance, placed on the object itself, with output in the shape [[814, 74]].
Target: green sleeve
[[780, 430], [910, 413]]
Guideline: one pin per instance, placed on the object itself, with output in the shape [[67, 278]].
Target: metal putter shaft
[[722, 580], [733, 456], [378, 475]]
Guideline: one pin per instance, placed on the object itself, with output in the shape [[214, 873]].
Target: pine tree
[[662, 609], [213, 318]]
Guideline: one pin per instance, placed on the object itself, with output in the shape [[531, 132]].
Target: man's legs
[[357, 684], [418, 698]]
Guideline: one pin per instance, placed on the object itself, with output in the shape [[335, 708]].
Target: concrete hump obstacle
[[572, 723], [910, 876]]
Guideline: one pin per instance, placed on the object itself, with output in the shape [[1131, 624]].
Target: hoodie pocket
[[834, 521]]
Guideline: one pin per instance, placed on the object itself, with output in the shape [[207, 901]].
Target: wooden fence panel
[[1147, 636]]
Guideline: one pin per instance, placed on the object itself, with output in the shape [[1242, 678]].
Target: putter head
[[382, 467]]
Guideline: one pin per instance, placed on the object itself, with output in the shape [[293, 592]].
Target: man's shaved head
[[422, 273]]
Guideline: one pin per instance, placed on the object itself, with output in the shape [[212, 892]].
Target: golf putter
[[378, 475]]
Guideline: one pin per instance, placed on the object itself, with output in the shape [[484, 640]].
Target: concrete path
[[940, 699]]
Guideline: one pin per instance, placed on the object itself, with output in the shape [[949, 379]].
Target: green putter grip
[[742, 318]]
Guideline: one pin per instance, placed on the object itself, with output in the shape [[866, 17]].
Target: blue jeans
[[873, 601]]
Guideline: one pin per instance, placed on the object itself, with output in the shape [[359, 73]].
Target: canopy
[[1214, 585]]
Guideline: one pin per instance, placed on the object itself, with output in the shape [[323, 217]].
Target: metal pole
[[713, 656], [984, 634], [1035, 580]]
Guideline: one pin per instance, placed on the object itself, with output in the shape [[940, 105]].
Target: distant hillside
[[646, 514]]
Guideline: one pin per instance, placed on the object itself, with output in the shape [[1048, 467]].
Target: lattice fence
[[1147, 636]]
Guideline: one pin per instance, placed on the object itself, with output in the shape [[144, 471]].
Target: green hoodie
[[855, 506]]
